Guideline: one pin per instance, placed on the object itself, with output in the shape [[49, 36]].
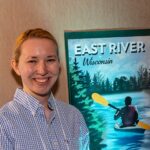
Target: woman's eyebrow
[[36, 57], [33, 57]]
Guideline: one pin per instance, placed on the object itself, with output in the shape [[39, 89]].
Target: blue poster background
[[115, 65]]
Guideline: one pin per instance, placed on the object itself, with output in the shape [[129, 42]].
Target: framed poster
[[116, 65]]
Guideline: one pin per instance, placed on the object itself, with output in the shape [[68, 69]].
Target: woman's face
[[38, 66]]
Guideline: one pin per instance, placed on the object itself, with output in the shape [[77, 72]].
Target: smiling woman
[[38, 66], [34, 119]]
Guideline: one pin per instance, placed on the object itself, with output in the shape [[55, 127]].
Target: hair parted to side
[[31, 33]]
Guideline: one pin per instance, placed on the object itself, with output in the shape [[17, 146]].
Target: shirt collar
[[30, 102]]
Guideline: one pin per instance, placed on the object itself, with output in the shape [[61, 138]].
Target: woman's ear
[[14, 65]]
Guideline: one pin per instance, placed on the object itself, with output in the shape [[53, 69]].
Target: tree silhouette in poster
[[81, 98]]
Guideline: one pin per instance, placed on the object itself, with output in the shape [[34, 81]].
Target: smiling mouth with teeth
[[42, 80]]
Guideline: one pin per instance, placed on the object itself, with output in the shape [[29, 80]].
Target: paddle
[[101, 100]]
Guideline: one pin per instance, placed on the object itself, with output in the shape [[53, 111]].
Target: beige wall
[[57, 16]]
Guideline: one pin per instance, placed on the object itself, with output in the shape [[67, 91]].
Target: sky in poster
[[126, 54]]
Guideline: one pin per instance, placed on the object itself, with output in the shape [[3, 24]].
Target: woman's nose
[[42, 68]]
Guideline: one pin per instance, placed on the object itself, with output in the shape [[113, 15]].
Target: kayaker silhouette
[[128, 114]]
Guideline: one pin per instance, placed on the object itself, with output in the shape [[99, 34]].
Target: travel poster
[[114, 64]]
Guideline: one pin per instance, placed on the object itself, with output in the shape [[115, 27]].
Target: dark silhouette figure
[[128, 113]]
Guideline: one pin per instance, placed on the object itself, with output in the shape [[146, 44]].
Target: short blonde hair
[[31, 33]]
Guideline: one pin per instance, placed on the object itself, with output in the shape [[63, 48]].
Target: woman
[[34, 119]]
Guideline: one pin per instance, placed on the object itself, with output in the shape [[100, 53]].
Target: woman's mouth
[[41, 80]]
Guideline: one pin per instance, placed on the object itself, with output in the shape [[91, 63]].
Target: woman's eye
[[32, 61], [51, 60]]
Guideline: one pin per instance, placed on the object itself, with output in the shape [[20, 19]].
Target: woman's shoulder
[[8, 110]]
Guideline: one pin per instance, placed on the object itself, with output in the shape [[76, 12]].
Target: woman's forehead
[[39, 47]]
